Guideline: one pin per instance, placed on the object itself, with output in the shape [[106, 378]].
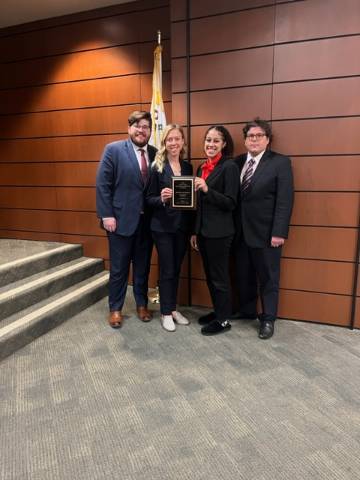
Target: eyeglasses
[[144, 128], [256, 136]]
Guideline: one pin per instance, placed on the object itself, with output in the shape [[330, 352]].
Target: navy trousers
[[137, 250]]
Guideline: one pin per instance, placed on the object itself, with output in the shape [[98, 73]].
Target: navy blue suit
[[171, 230], [120, 194]]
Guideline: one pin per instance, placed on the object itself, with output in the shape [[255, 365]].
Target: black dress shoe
[[244, 316], [205, 319], [215, 327], [266, 329]]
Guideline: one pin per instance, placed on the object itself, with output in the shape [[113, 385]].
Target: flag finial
[[159, 37]]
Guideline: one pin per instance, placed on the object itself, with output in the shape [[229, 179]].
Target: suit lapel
[[133, 160], [216, 171], [169, 173], [241, 162], [167, 170], [260, 168]]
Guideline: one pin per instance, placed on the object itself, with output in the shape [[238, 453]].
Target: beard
[[140, 141]]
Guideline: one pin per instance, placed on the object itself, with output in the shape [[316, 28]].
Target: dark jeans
[[171, 249], [215, 254], [135, 249]]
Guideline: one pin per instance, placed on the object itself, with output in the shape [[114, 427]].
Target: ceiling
[[15, 12]]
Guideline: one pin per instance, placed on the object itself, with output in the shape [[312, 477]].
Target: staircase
[[43, 289]]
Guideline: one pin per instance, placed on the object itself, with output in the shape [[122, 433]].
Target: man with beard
[[120, 184]]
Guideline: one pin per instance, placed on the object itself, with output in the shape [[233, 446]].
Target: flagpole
[[157, 111]]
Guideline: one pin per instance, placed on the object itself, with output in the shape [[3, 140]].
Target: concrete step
[[19, 268], [25, 292], [29, 325]]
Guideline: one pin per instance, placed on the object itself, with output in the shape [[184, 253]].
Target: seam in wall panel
[[74, 52], [73, 22], [89, 79], [229, 50], [75, 108]]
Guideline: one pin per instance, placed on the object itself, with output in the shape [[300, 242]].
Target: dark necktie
[[249, 172], [144, 166]]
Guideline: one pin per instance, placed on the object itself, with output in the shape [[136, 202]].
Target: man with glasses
[[121, 180], [262, 218]]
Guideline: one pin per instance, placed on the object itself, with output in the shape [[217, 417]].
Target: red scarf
[[209, 166]]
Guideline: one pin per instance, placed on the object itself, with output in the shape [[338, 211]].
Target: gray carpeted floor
[[87, 402]]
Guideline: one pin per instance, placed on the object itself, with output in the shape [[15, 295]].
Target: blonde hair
[[160, 158]]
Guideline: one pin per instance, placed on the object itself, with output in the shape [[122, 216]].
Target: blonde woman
[[170, 227]]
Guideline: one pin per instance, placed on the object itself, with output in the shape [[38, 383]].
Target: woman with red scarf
[[217, 184]]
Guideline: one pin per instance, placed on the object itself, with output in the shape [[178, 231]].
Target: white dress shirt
[[249, 157], [138, 154]]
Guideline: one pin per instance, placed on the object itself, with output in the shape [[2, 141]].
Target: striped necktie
[[248, 175]]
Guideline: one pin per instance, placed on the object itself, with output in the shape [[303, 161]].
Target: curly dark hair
[[228, 149], [258, 122]]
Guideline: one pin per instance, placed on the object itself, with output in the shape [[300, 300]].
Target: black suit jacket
[[214, 218], [164, 218], [264, 210]]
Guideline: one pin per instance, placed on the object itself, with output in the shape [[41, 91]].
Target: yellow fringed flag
[[157, 104]]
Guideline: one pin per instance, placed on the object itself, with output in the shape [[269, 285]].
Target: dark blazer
[[214, 218], [164, 218], [120, 187], [264, 209]]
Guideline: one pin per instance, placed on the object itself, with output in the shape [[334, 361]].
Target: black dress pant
[[171, 249], [258, 266], [215, 254]]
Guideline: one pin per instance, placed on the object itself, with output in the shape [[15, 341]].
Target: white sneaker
[[167, 322], [179, 318]]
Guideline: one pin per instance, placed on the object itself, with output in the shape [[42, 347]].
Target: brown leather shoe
[[144, 314], [115, 319]]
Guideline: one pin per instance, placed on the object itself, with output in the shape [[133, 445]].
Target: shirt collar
[[257, 158], [137, 148]]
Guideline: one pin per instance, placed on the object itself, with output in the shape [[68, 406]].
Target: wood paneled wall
[[67, 86], [294, 63]]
